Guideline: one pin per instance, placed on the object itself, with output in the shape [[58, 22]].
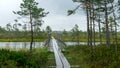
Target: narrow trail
[[61, 61]]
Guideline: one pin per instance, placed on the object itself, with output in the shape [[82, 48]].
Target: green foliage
[[70, 12], [76, 0], [23, 36], [48, 29], [75, 32], [20, 59], [102, 56], [30, 8], [51, 61]]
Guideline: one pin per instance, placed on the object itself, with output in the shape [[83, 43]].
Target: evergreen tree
[[29, 8]]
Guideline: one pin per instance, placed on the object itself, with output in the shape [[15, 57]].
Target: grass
[[102, 57], [81, 40], [75, 56], [51, 60], [21, 40], [23, 58], [42, 40]]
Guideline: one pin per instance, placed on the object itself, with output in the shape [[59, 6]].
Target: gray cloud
[[57, 18], [6, 14]]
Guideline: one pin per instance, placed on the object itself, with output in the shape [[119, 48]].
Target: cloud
[[57, 6], [61, 22], [7, 6], [57, 18]]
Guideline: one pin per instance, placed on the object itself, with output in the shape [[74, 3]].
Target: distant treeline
[[18, 31], [77, 35]]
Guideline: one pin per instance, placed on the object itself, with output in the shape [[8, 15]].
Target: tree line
[[21, 31], [100, 15]]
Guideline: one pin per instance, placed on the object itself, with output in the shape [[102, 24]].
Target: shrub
[[13, 59]]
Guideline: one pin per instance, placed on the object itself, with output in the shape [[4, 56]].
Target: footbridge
[[56, 46]]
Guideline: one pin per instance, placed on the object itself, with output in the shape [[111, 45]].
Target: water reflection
[[19, 45], [26, 45], [82, 43]]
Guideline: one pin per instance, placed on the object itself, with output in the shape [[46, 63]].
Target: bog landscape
[[60, 34]]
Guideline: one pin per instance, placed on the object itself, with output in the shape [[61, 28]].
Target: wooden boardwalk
[[61, 61]]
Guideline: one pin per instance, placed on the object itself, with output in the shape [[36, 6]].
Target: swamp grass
[[102, 57], [38, 58]]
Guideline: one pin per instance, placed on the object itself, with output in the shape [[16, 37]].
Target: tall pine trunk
[[93, 21], [106, 25], [31, 25], [99, 25], [88, 31], [90, 11], [111, 32], [116, 42]]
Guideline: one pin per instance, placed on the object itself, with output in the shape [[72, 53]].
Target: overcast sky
[[57, 19]]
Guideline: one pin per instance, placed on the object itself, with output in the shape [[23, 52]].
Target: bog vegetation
[[102, 18], [23, 58], [102, 57]]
